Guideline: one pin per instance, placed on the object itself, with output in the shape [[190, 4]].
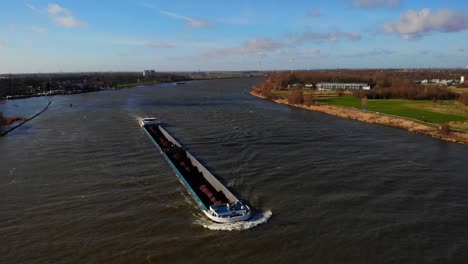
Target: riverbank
[[127, 85], [403, 123], [70, 92]]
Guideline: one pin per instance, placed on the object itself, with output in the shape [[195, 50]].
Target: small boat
[[215, 200], [178, 83]]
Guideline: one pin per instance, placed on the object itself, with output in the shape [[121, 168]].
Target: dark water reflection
[[83, 184]]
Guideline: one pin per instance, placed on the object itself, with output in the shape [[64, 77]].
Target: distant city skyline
[[81, 36]]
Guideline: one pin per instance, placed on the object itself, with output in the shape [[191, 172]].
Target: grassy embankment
[[126, 85], [436, 113]]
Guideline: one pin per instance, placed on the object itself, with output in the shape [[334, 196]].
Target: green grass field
[[427, 111]]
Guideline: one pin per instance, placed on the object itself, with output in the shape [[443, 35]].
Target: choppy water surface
[[84, 184]]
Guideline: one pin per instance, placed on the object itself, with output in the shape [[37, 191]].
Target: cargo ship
[[215, 200]]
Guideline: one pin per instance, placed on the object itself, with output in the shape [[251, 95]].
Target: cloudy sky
[[108, 35]]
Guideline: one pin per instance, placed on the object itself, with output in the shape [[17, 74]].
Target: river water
[[82, 183]]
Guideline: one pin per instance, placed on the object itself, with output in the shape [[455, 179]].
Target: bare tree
[[309, 98], [295, 96], [445, 129], [340, 92]]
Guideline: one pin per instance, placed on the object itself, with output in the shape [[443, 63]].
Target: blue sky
[[125, 35]]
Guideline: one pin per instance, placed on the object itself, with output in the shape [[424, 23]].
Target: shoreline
[[116, 87], [373, 118]]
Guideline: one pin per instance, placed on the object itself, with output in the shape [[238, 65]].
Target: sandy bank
[[402, 123]]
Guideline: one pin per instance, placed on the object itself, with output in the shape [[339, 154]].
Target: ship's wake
[[259, 217]]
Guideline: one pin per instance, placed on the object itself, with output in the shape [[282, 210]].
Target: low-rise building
[[324, 86], [439, 82]]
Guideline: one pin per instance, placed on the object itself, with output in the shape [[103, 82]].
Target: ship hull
[[207, 191]]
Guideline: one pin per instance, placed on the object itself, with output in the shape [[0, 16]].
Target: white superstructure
[[149, 121]]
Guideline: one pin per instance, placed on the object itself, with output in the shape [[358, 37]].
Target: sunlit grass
[[423, 110]]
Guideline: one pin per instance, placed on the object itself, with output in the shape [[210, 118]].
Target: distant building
[[324, 86], [147, 73], [439, 82], [462, 79]]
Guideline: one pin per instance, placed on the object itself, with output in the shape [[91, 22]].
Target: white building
[[323, 86], [438, 81], [462, 79]]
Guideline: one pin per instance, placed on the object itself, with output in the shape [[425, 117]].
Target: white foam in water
[[258, 218]]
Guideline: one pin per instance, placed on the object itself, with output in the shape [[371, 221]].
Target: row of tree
[[375, 78], [386, 84], [408, 91], [281, 80], [298, 96]]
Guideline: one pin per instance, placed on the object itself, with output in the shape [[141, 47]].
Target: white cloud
[[335, 36], [159, 44], [191, 22], [294, 55], [257, 46], [55, 9], [314, 51], [237, 21], [141, 42], [414, 24], [60, 15], [32, 7], [69, 21], [313, 13], [371, 53], [149, 6], [39, 29], [353, 36], [372, 4]]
